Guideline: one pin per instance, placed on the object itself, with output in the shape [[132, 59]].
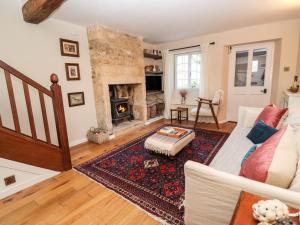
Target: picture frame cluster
[[70, 48]]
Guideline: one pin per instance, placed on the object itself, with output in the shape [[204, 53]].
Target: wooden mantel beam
[[36, 11]]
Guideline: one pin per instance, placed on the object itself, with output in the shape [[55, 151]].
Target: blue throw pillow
[[251, 150], [261, 132]]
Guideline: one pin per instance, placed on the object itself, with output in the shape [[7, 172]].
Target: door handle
[[265, 90]]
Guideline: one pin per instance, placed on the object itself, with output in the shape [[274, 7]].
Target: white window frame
[[189, 68]]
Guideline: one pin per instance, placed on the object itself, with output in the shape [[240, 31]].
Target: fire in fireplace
[[122, 108]]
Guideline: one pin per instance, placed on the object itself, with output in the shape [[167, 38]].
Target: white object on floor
[[25, 175]]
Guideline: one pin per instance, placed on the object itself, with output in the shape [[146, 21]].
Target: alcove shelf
[[152, 56], [156, 73]]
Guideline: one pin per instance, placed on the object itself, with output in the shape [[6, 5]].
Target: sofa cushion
[[231, 154], [274, 162], [249, 117], [261, 132], [272, 116]]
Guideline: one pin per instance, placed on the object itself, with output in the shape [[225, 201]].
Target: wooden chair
[[211, 110]]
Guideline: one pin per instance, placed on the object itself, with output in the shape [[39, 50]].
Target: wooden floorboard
[[73, 199]]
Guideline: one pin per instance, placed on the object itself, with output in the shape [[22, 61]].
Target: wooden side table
[[179, 111], [243, 211]]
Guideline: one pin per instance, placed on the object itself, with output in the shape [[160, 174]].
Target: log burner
[[120, 107]]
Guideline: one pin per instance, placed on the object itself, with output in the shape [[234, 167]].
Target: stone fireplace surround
[[116, 59]]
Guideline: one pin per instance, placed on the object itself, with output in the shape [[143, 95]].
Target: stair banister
[[16, 145], [60, 121]]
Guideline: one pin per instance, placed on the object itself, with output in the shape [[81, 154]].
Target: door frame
[[270, 45]]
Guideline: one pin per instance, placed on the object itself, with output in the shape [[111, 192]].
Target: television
[[153, 83]]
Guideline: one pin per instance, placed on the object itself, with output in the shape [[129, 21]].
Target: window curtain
[[203, 89], [169, 79]]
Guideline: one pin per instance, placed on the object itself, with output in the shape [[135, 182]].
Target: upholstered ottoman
[[166, 145]]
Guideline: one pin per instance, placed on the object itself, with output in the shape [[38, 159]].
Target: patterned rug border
[[128, 196]]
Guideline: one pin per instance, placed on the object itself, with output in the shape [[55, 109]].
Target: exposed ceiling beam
[[36, 11]]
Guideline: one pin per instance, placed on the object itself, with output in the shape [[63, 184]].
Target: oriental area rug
[[153, 182]]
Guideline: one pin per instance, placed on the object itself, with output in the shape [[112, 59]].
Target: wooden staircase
[[18, 146]]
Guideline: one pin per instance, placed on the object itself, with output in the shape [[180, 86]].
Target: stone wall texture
[[116, 58]]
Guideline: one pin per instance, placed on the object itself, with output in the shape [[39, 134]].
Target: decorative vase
[[183, 94]]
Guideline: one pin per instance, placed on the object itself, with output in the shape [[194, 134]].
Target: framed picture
[[69, 48], [72, 71], [76, 98]]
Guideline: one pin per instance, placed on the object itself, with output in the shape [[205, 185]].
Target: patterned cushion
[[275, 161], [272, 116], [261, 132]]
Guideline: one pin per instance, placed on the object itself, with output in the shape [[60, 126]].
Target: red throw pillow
[[272, 115]]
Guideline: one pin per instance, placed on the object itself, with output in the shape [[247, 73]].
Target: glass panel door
[[258, 67], [250, 77], [241, 68]]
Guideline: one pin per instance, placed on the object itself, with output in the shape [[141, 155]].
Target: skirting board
[[154, 120], [78, 142]]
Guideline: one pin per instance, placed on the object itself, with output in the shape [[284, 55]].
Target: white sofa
[[211, 192]]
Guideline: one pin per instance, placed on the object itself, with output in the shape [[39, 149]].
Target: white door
[[250, 77]]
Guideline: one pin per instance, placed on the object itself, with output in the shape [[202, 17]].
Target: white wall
[[285, 31], [34, 50]]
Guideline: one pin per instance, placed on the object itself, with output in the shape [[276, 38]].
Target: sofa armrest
[[211, 195], [243, 110]]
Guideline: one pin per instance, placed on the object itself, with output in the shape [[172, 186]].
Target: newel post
[[60, 122]]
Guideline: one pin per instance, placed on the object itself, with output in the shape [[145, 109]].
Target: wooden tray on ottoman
[[181, 132], [166, 145]]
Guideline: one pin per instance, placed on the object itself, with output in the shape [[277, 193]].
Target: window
[[187, 70], [254, 66]]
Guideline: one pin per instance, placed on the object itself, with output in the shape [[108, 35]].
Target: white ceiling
[[168, 20]]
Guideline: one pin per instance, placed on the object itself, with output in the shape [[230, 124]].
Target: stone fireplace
[[118, 77]]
